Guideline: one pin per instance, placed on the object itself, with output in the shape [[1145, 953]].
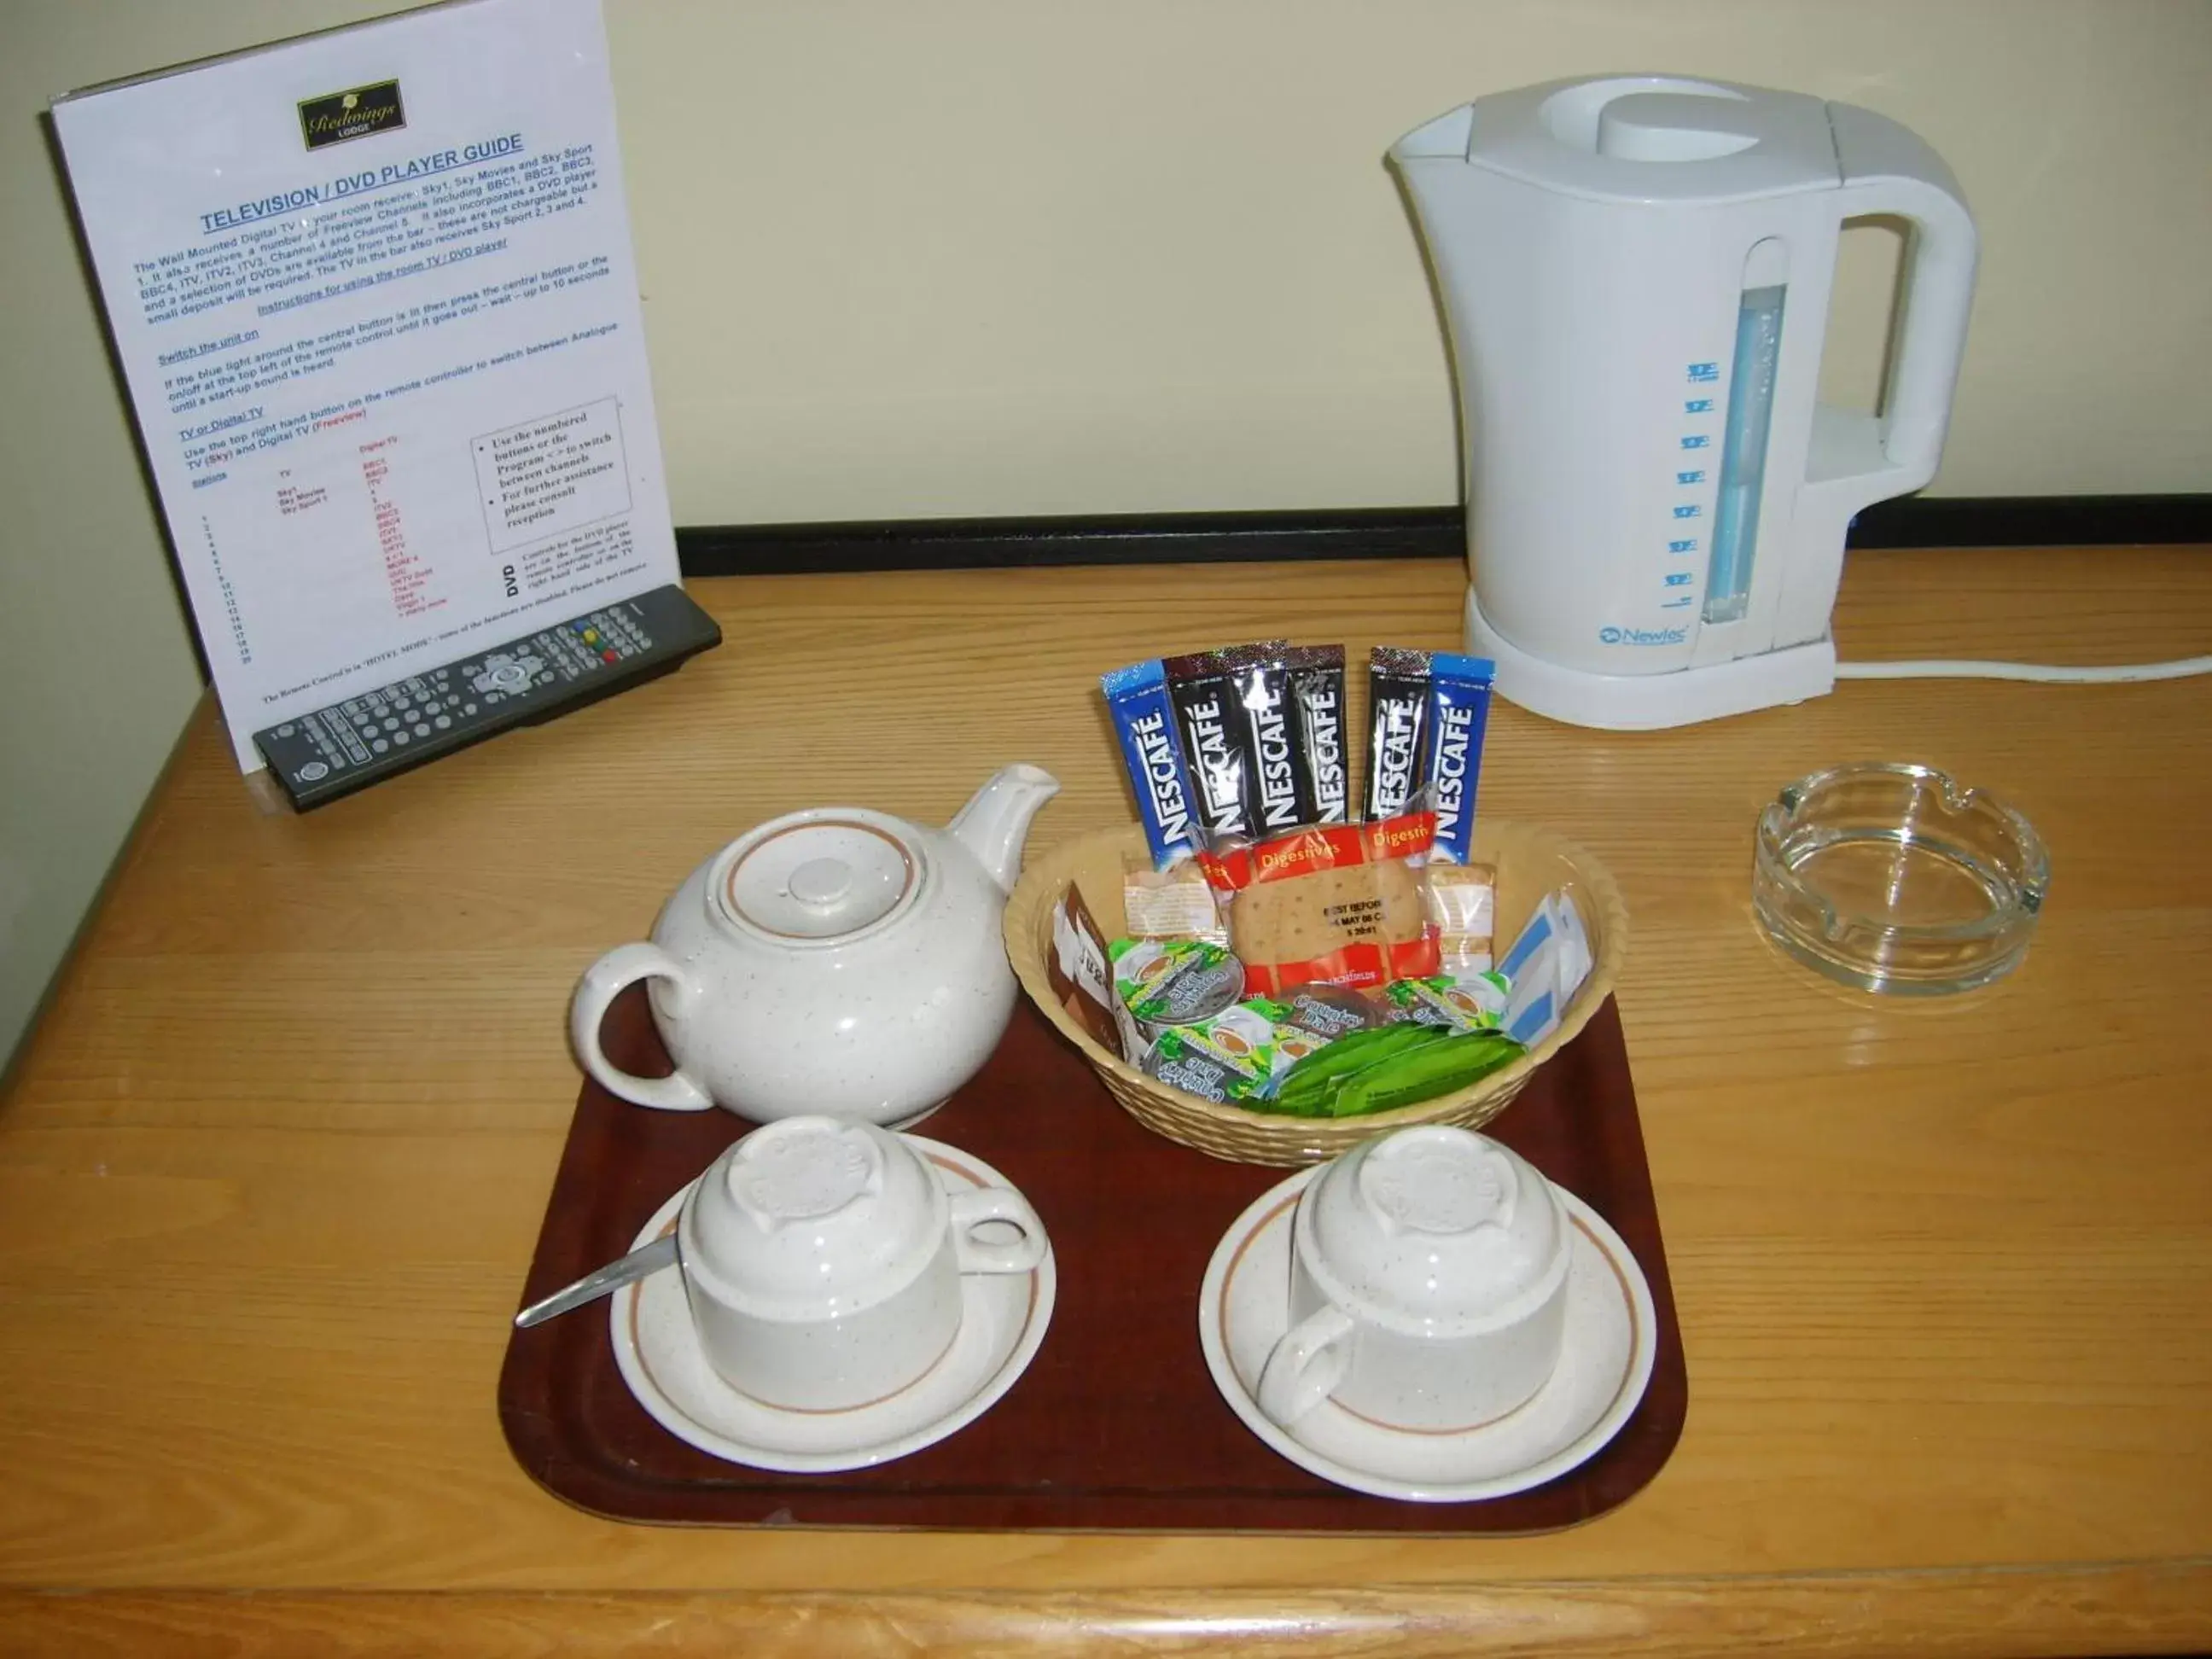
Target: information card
[[373, 296]]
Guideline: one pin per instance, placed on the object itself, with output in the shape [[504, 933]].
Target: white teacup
[[822, 1260], [1428, 1285]]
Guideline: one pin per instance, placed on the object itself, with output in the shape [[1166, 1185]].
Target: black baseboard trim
[[2033, 521], [1420, 532], [1413, 532]]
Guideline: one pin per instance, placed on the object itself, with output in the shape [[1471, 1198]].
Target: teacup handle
[[603, 981], [971, 1209], [1305, 1365]]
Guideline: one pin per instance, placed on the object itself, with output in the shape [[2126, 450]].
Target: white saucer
[[1611, 1342], [1003, 1320]]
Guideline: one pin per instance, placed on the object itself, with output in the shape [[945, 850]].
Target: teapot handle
[[603, 981]]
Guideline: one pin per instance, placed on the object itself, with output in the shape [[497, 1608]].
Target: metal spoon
[[644, 1259]]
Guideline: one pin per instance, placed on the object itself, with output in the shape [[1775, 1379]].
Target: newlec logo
[[1642, 636], [1156, 746], [338, 116]]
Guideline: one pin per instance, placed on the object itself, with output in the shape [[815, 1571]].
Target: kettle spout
[[1445, 139], [995, 822]]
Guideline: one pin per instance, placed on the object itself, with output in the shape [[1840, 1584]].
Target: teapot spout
[[995, 822]]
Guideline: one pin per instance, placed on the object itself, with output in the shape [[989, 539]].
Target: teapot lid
[[816, 878]]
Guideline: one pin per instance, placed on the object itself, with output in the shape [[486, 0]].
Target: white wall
[[991, 256], [913, 257]]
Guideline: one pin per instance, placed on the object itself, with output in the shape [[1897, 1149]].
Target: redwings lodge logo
[[337, 117]]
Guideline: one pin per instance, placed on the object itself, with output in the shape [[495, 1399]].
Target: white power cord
[[2179, 668]]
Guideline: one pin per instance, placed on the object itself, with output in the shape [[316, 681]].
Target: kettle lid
[[1654, 138]]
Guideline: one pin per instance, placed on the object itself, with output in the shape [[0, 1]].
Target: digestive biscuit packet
[[1333, 906]]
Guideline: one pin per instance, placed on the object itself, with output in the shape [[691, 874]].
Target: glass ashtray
[[1889, 876]]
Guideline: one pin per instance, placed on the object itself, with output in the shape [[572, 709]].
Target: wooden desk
[[271, 1169]]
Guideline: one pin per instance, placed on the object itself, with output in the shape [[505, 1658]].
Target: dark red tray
[[1117, 1424]]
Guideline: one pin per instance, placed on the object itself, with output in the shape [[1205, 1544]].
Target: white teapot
[[835, 961]]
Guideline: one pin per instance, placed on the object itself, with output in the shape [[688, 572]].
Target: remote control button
[[391, 725], [379, 745], [400, 738], [283, 731], [314, 772], [503, 672], [468, 708], [422, 730], [444, 720]]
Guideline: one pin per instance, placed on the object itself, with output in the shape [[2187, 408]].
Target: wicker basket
[[1530, 862]]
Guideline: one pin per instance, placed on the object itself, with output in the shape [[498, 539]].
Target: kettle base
[[1648, 702]]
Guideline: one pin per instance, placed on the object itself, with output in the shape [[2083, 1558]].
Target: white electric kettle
[[1635, 270]]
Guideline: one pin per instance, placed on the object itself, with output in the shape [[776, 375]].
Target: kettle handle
[[1889, 170], [603, 981]]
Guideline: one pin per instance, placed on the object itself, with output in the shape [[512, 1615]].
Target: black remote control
[[317, 757]]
